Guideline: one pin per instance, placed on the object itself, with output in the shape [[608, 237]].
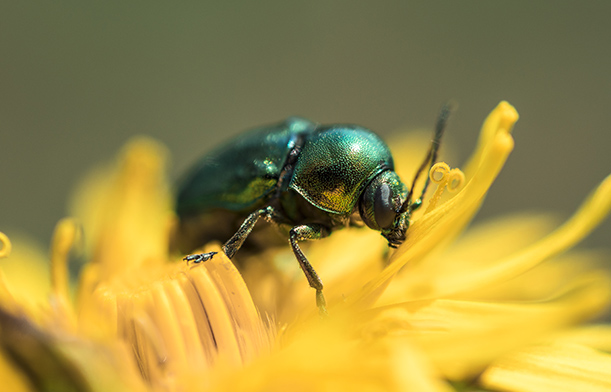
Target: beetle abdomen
[[243, 173]]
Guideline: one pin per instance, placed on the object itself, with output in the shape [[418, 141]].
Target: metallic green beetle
[[306, 178]]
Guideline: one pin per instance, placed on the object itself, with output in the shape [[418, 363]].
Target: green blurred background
[[78, 79]]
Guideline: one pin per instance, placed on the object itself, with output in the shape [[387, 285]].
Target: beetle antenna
[[429, 160]]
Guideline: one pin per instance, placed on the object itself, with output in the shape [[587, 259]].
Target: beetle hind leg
[[235, 242], [310, 232]]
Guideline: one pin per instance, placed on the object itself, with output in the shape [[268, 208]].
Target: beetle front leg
[[235, 242], [310, 232]]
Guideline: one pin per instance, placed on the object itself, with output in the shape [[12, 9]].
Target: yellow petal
[[541, 281], [477, 248], [503, 117], [462, 337], [589, 215], [322, 357], [105, 367], [13, 378], [24, 279], [551, 368], [182, 321], [596, 336], [125, 209]]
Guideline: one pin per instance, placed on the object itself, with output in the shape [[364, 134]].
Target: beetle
[[305, 178]]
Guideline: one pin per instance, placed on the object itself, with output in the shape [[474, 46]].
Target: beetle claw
[[199, 257]]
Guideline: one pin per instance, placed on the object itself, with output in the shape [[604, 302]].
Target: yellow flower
[[498, 307]]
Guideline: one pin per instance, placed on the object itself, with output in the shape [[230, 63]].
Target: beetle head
[[382, 207]]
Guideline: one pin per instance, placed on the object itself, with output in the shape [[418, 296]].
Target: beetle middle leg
[[235, 242], [310, 232]]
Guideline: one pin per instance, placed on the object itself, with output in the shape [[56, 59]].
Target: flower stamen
[[6, 247], [6, 298], [444, 177], [66, 234]]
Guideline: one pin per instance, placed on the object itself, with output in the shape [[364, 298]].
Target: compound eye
[[383, 206]]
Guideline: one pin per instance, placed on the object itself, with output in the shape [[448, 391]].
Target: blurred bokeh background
[[78, 79]]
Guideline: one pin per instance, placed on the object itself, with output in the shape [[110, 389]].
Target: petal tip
[[605, 185], [508, 115], [144, 152]]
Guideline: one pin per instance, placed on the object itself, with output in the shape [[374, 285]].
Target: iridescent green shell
[[336, 164], [242, 174]]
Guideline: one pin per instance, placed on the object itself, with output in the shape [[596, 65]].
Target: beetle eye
[[384, 211], [381, 201]]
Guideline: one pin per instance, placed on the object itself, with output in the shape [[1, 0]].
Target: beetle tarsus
[[321, 302], [199, 257]]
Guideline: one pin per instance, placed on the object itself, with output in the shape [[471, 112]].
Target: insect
[[307, 179]]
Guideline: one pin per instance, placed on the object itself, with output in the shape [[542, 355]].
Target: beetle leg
[[235, 242], [310, 232], [199, 257]]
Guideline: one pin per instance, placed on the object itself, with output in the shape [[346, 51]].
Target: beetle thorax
[[336, 164]]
